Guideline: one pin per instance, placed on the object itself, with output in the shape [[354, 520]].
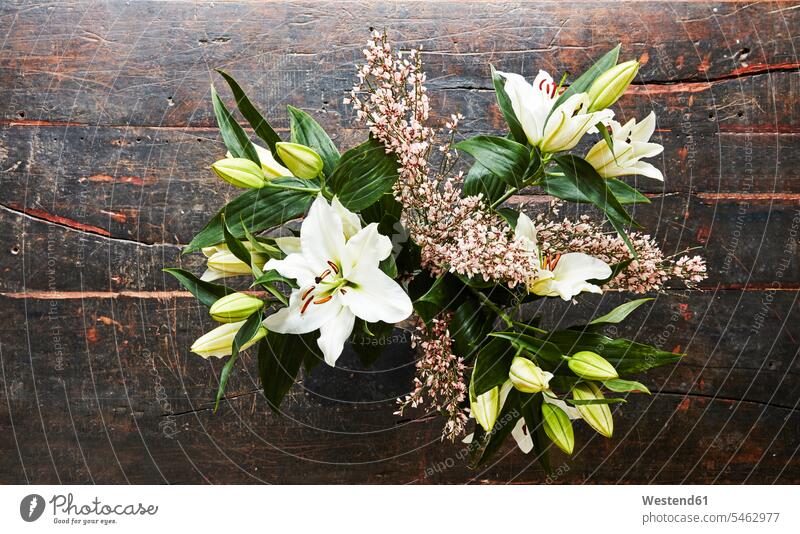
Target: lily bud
[[597, 415], [527, 376], [219, 342], [610, 85], [213, 249], [240, 172], [558, 427], [301, 160], [235, 307], [591, 366], [223, 263], [485, 407], [270, 166]]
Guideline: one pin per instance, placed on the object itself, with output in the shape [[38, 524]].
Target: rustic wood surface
[[106, 133]]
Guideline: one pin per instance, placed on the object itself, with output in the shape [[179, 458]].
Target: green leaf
[[470, 325], [585, 80], [308, 132], [603, 129], [442, 295], [238, 249], [547, 354], [234, 136], [624, 386], [272, 276], [279, 359], [592, 186], [206, 292], [531, 405], [245, 334], [619, 313], [267, 281], [627, 357], [581, 175], [363, 175], [259, 124], [503, 157], [258, 209], [260, 246], [491, 365], [576, 402], [625, 193], [504, 102], [480, 180]]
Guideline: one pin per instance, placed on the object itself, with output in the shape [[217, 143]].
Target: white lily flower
[[339, 279], [565, 275], [532, 105], [270, 166], [631, 144]]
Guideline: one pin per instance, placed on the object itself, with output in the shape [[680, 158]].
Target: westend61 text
[[692, 500]]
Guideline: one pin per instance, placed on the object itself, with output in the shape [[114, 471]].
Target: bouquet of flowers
[[465, 256]]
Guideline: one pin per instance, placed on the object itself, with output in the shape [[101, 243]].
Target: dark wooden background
[[106, 133]]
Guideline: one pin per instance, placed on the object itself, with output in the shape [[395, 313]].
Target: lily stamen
[[334, 267], [555, 261], [323, 300], [307, 292], [322, 277], [306, 304]]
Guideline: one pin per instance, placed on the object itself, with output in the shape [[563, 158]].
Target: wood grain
[[106, 135]]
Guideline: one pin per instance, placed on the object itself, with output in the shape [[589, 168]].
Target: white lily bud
[[609, 86], [597, 415], [235, 307], [591, 366], [223, 264], [219, 342], [485, 407], [527, 376], [240, 172], [301, 160], [270, 166], [213, 249], [558, 427]]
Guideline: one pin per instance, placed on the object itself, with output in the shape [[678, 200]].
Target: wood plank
[[78, 67], [111, 386]]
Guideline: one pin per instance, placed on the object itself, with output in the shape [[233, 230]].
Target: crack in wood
[[75, 226]]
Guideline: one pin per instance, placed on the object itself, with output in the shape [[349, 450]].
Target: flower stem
[[492, 306], [292, 188], [508, 194]]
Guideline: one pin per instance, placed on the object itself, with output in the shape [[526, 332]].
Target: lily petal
[[366, 248], [289, 320], [526, 231], [322, 235], [376, 297], [289, 245], [644, 129], [531, 105], [351, 224], [334, 333], [522, 437], [646, 169], [295, 266]]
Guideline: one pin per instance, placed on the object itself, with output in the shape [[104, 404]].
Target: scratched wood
[[106, 134]]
